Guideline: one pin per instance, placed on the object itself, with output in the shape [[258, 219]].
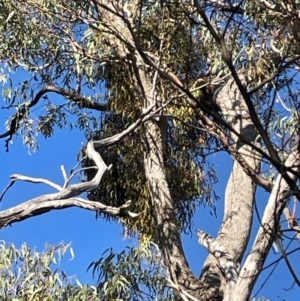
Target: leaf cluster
[[133, 274], [26, 274]]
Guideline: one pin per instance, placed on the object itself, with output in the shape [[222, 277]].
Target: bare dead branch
[[64, 173], [74, 172], [44, 204], [65, 197], [18, 177]]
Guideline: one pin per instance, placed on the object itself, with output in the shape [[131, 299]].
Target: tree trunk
[[168, 232], [240, 190]]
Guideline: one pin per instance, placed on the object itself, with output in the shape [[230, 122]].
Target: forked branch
[[67, 196]]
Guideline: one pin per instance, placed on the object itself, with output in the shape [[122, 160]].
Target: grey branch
[[17, 177], [64, 198]]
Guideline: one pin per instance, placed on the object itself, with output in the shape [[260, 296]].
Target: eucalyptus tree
[[158, 86]]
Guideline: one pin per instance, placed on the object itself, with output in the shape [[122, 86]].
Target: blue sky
[[90, 237]]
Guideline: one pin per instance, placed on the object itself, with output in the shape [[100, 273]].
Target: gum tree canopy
[[157, 87]]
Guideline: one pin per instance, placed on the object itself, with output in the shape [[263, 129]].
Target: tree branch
[[18, 177], [266, 233], [81, 101], [64, 198], [43, 205]]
